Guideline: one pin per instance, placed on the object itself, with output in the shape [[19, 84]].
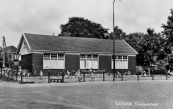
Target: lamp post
[[113, 45]]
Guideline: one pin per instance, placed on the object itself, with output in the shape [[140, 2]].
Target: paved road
[[96, 95]]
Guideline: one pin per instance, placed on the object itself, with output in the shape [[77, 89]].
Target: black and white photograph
[[86, 54]]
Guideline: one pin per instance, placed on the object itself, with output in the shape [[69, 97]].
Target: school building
[[56, 53]]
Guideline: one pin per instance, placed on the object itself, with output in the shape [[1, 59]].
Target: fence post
[[122, 76], [49, 76], [21, 74], [1, 73], [103, 75], [62, 76], [5, 74], [12, 73], [138, 77], [153, 75], [8, 73], [16, 74], [83, 72], [166, 75]]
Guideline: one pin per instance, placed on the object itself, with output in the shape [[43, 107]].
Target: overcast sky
[[46, 16]]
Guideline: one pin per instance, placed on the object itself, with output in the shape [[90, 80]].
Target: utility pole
[[113, 45]]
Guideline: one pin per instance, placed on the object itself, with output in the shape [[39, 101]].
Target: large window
[[61, 62], [88, 61], [121, 62], [53, 61]]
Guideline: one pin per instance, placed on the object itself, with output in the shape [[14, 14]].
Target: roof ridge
[[69, 36], [38, 34]]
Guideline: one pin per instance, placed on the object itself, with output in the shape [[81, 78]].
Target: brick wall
[[34, 62], [132, 64], [37, 62], [105, 63], [26, 62], [72, 62]]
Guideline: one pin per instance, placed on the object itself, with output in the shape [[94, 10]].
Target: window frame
[[89, 57], [52, 60], [121, 62]]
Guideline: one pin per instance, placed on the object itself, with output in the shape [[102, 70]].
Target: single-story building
[[56, 53]]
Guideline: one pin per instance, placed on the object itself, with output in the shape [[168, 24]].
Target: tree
[[80, 27], [149, 46], [134, 40], [152, 47], [119, 34], [65, 34], [168, 33]]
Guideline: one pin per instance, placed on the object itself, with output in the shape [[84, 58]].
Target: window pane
[[114, 56], [46, 60], [82, 64], [60, 64], [124, 57], [119, 57], [46, 55], [126, 64], [46, 64], [89, 64], [122, 64], [95, 64], [89, 56], [53, 55], [54, 64], [95, 56], [116, 64], [60, 56], [82, 56]]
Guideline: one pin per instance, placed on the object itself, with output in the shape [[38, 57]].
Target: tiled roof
[[39, 42]]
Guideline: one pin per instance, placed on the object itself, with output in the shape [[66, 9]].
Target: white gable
[[24, 48]]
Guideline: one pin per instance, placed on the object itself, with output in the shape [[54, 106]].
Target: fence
[[101, 75], [8, 75], [24, 76]]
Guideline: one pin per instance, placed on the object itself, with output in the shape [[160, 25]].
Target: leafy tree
[[149, 46], [168, 33], [119, 34], [65, 34], [134, 40], [152, 47], [80, 27]]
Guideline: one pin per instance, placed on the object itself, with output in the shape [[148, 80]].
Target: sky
[[46, 16]]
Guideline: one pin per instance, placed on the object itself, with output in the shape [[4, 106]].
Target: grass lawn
[[90, 95]]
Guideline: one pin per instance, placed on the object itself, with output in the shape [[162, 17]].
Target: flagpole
[[113, 45]]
